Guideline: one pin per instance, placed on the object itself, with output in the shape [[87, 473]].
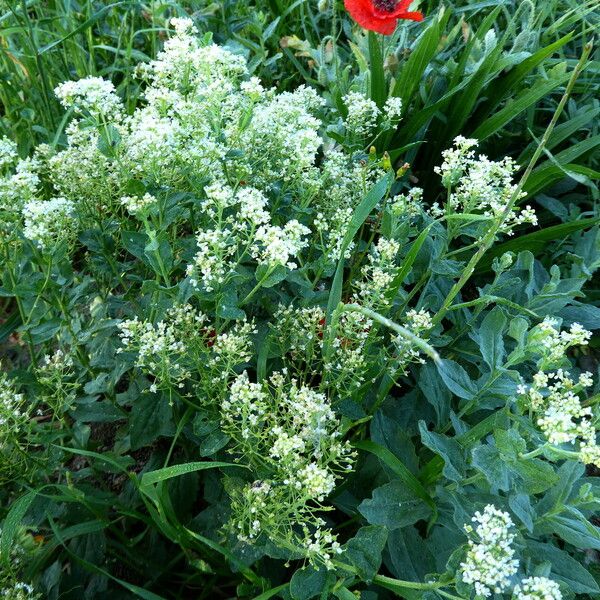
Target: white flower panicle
[[184, 344], [8, 153], [92, 94], [554, 398], [48, 222], [480, 185], [18, 591], [362, 114], [291, 431], [139, 206], [245, 231], [552, 343], [489, 564], [537, 588], [379, 273]]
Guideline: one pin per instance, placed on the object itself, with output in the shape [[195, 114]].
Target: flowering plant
[[252, 355]]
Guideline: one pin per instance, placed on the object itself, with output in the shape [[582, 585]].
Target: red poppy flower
[[380, 15]]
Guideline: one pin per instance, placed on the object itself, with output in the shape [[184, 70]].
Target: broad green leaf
[[456, 379], [364, 550], [394, 505], [448, 448], [308, 583], [408, 479], [491, 338]]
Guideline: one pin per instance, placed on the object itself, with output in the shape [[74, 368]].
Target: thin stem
[[401, 331]]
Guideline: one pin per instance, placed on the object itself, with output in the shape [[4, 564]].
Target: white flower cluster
[[301, 335], [48, 222], [363, 113], [548, 340], [183, 343], [8, 153], [246, 231], [562, 416], [18, 591], [378, 274], [537, 588], [489, 564], [480, 186], [292, 432], [408, 205], [16, 189], [420, 323], [139, 206], [12, 414], [90, 95], [343, 186]]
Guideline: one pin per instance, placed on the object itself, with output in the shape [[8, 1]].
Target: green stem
[[401, 331], [257, 286]]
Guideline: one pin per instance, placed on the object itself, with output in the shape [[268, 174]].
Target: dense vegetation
[[293, 309]]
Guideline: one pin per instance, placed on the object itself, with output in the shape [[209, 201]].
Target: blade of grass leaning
[[378, 91], [517, 106], [11, 323], [503, 85], [551, 174], [159, 475], [408, 263], [490, 236], [424, 51], [538, 240], [134, 589], [12, 522], [562, 132]]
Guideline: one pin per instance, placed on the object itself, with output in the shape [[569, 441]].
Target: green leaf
[[378, 91], [425, 49], [153, 477], [456, 379], [565, 569], [12, 523], [364, 550], [393, 505], [505, 84], [9, 325], [516, 106], [308, 583], [138, 591], [449, 449], [536, 241], [407, 478], [150, 419], [410, 555], [491, 338], [575, 529], [488, 461], [407, 264]]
